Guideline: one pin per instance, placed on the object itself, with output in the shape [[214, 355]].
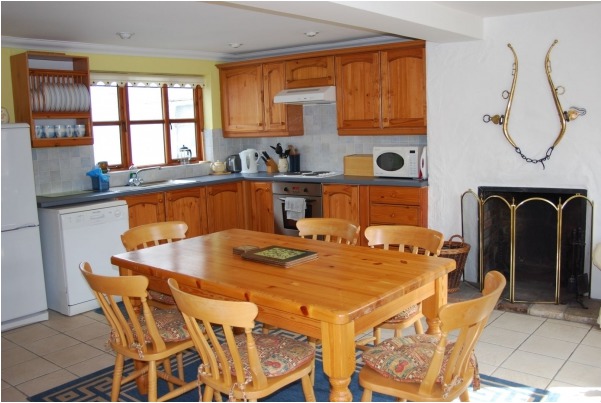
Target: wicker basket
[[457, 250]]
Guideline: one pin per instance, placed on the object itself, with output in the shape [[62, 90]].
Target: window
[[145, 121]]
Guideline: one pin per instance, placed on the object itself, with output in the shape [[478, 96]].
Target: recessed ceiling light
[[235, 45], [311, 34], [125, 35]]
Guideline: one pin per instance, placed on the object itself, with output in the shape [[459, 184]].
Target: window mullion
[[125, 127]]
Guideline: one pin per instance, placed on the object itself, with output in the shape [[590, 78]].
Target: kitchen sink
[[163, 183], [146, 185]]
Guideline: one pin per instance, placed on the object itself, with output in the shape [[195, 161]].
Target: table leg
[[338, 346], [431, 305]]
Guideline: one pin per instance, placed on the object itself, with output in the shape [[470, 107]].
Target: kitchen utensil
[[249, 159], [184, 155], [218, 167], [233, 163]]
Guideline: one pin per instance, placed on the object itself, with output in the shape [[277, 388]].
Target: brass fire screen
[[542, 244]]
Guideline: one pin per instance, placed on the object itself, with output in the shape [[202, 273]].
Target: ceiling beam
[[430, 21]]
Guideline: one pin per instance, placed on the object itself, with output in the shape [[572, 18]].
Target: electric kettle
[[249, 159]]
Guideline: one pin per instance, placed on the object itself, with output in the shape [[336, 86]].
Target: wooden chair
[[397, 368], [329, 229], [246, 366], [147, 235], [405, 238], [151, 338]]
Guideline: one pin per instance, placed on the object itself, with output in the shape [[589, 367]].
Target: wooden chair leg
[[377, 335], [167, 368], [419, 329], [152, 381], [465, 396], [366, 397], [307, 384], [117, 376]]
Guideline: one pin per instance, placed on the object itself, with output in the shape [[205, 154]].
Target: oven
[[311, 192]]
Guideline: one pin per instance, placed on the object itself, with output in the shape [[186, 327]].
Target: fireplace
[[540, 238]]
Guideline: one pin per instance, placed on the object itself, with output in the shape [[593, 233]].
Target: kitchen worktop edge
[[111, 194]]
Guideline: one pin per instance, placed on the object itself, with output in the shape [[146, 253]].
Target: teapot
[[218, 167], [184, 155], [249, 159]]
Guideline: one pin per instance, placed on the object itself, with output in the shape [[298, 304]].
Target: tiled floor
[[546, 353]]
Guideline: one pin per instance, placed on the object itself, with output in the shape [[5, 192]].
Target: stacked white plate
[[60, 98]]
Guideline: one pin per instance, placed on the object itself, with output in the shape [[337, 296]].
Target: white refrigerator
[[23, 287]]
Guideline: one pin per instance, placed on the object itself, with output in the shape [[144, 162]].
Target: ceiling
[[199, 29]]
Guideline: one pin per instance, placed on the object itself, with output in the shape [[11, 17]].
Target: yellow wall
[[137, 64]]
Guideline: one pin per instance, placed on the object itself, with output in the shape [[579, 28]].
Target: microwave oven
[[400, 162]]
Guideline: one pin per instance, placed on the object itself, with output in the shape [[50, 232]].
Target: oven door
[[286, 226]]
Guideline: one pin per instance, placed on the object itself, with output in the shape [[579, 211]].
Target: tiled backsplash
[[321, 148], [63, 169]]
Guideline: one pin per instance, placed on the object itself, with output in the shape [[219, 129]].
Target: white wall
[[465, 82]]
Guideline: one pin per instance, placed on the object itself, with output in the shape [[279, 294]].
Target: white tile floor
[[549, 354]]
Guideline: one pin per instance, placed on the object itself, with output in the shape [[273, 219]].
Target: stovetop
[[307, 174]]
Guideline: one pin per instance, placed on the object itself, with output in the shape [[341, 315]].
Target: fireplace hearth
[[540, 238]]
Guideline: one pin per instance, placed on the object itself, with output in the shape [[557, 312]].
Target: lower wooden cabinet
[[189, 206], [145, 209], [376, 205], [259, 197], [205, 209], [225, 206]]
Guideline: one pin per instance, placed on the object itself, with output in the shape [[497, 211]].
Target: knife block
[[271, 166]]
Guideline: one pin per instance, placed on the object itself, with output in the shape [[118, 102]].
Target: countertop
[[89, 196]]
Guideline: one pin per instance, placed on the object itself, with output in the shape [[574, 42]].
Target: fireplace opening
[[538, 238]]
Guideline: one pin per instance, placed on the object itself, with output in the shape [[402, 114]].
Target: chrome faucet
[[134, 178]]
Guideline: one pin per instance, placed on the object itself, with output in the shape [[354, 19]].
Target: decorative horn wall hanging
[[564, 116]]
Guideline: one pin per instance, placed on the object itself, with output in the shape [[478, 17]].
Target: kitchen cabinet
[[376, 205], [205, 209], [247, 107], [52, 89], [259, 197], [310, 72], [145, 209], [225, 207], [189, 206], [382, 91], [398, 205]]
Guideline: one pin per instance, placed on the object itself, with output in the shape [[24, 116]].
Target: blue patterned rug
[[96, 387]]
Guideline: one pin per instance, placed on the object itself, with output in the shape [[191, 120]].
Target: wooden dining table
[[344, 292]]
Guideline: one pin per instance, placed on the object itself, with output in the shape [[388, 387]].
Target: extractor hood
[[312, 95]]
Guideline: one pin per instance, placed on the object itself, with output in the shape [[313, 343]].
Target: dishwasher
[[72, 234]]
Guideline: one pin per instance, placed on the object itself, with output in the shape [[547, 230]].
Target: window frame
[[124, 123]]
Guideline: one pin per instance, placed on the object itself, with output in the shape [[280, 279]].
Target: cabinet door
[[358, 93], [273, 82], [404, 90], [225, 207], [145, 209], [310, 72], [188, 205], [260, 215], [341, 201], [242, 99]]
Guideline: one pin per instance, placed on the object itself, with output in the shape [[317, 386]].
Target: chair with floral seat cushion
[[151, 337], [147, 235], [433, 368], [246, 366], [404, 238]]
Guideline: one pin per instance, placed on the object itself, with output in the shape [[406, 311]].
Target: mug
[[70, 130], [49, 132], [80, 130], [60, 131], [39, 132]]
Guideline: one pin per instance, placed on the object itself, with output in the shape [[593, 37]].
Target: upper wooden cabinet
[[310, 72], [247, 108], [51, 89], [382, 91]]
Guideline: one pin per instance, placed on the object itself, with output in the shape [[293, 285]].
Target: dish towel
[[295, 208]]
